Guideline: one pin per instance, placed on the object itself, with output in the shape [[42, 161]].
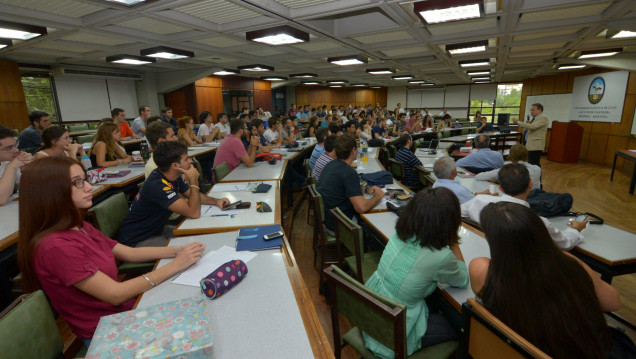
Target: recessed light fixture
[[303, 75], [402, 77], [480, 78], [273, 78], [474, 63], [417, 81], [225, 72], [16, 31], [348, 60], [279, 35], [436, 11], [570, 67], [382, 71], [310, 82], [375, 87], [127, 2], [427, 84], [467, 47], [130, 59], [624, 34], [336, 86], [336, 82], [359, 85], [482, 82], [588, 54], [5, 42], [256, 68], [165, 52], [478, 73]]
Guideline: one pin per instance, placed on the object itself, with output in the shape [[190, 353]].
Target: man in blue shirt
[[485, 126], [166, 116], [378, 130], [445, 171], [406, 156], [484, 159], [30, 139], [319, 149]]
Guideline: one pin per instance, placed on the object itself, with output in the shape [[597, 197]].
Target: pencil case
[[223, 278]]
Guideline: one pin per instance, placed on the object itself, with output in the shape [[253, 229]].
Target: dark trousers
[[534, 158], [438, 330]]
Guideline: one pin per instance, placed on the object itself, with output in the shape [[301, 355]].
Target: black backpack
[[548, 204]]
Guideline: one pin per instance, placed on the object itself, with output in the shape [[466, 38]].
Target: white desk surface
[[259, 318], [248, 218], [471, 244], [135, 174], [462, 138], [195, 151], [9, 214], [260, 171]]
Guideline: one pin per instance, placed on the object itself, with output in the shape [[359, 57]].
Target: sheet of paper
[[210, 262], [219, 187], [214, 211]]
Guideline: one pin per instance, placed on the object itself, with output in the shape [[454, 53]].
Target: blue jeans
[[87, 342], [438, 331]]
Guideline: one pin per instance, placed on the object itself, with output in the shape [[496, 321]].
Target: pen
[[219, 215]]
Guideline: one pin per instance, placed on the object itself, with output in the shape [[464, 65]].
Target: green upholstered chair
[[204, 188], [78, 127], [349, 235], [424, 176], [384, 156], [309, 180], [221, 170], [392, 150], [397, 169], [324, 243], [93, 125], [85, 139], [378, 316], [28, 329]]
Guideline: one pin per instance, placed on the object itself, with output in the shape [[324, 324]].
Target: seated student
[[207, 131], [406, 156], [57, 142], [313, 126], [273, 134], [31, 137], [399, 126], [156, 133], [73, 262], [287, 132], [140, 123], [263, 115], [327, 156], [339, 184], [297, 129], [223, 125], [11, 160], [423, 252], [335, 129], [165, 192], [563, 300], [414, 124], [484, 126], [258, 128], [379, 130], [484, 159], [428, 125], [445, 171], [166, 116], [319, 149], [515, 182], [445, 122], [119, 117], [518, 154], [105, 152], [232, 150], [186, 131], [365, 130], [351, 129]]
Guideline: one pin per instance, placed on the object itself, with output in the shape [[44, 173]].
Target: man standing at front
[[30, 139], [140, 123], [536, 129]]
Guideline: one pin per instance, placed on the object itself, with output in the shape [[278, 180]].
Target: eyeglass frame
[[81, 182]]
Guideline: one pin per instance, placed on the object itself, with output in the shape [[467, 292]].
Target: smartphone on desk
[[231, 206], [270, 236]]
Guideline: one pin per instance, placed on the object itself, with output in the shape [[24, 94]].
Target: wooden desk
[[464, 138], [9, 228], [629, 155], [260, 171], [248, 218], [268, 315], [136, 175]]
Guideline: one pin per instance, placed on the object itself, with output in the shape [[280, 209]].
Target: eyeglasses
[[10, 148], [79, 183]]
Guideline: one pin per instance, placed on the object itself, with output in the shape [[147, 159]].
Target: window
[[39, 93], [483, 106], [508, 100]]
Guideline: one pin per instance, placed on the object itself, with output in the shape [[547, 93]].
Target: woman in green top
[[424, 251]]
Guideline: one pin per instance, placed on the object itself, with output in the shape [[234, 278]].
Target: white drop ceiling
[[530, 35]]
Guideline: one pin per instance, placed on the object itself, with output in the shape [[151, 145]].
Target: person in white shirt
[[263, 115], [273, 133], [444, 112], [223, 125], [515, 182], [207, 131], [11, 159], [518, 154], [140, 123]]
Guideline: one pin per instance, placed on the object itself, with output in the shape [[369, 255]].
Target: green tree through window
[[39, 94]]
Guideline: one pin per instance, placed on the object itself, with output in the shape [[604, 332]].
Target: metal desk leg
[[614, 167], [631, 186]]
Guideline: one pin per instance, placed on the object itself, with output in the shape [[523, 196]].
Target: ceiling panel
[[383, 37], [555, 46], [540, 35], [462, 26], [152, 25], [96, 39], [218, 11], [263, 51], [70, 8], [402, 51], [296, 4], [63, 47], [222, 41], [317, 45], [565, 13]]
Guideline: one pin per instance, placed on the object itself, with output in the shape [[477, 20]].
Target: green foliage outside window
[[39, 94]]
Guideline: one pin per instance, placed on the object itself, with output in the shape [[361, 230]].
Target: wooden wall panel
[[631, 84], [209, 99], [262, 85], [585, 142], [625, 126], [183, 102], [561, 83], [302, 95], [263, 98], [614, 143], [537, 85], [209, 81], [365, 97], [602, 128], [316, 96], [596, 148], [13, 107], [381, 96], [237, 83], [548, 85]]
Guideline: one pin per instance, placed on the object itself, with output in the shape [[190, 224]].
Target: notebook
[[251, 238]]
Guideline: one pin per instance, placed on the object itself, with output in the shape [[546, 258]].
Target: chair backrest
[[93, 125], [28, 329], [78, 127], [319, 208], [109, 214], [397, 169], [306, 167], [384, 156], [197, 164], [392, 150], [350, 235], [424, 176], [465, 131], [379, 317], [85, 139], [221, 170], [485, 336]]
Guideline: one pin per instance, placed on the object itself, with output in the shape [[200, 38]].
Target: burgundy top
[[65, 258]]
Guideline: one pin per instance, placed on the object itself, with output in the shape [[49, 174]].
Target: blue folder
[[251, 238]]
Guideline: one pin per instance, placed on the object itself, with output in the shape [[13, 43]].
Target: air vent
[[94, 73]]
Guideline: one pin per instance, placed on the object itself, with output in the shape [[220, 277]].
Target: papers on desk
[[210, 262], [228, 188], [214, 211]]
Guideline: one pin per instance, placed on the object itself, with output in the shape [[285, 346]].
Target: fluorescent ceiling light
[[467, 47], [375, 87], [482, 82], [474, 63], [303, 75], [478, 73], [382, 71], [336, 82], [5, 42], [348, 60], [436, 11], [359, 85], [165, 52], [480, 78], [588, 54], [570, 67], [280, 35], [273, 78], [335, 86], [130, 59], [310, 82], [427, 84], [417, 81], [16, 31], [624, 34], [127, 2], [402, 77], [256, 67], [224, 72]]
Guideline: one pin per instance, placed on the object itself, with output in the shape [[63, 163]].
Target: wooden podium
[[565, 142]]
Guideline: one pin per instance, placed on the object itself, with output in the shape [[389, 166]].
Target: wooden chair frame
[[397, 169], [356, 230], [320, 241], [422, 172]]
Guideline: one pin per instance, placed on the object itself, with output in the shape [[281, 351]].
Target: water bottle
[[86, 162], [365, 150], [145, 154]]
